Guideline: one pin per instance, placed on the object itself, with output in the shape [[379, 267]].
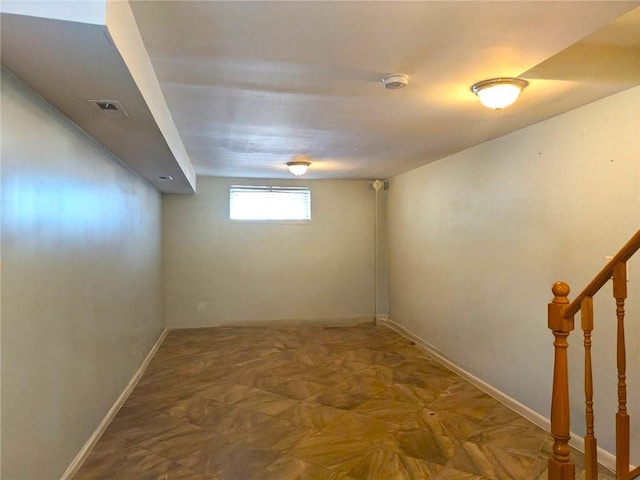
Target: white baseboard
[[84, 452], [605, 458], [286, 322]]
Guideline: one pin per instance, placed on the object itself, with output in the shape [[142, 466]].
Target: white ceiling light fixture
[[498, 93], [299, 167], [395, 81]]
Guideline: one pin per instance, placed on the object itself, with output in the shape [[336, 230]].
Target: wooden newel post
[[560, 466]]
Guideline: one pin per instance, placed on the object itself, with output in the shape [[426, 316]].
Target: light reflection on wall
[[61, 209], [48, 189]]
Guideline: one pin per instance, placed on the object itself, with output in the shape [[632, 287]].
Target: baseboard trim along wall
[[605, 457], [306, 322], [84, 452]]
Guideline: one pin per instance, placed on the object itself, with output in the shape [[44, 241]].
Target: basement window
[[270, 203]]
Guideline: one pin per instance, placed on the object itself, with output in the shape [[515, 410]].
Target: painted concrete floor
[[287, 403]]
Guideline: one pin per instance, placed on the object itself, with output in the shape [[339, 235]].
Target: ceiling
[[76, 62], [250, 85]]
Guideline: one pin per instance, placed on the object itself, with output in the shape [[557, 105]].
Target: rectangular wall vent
[[113, 108]]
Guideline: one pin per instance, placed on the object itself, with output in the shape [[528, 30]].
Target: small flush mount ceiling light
[[498, 93], [165, 178], [299, 165], [395, 81]]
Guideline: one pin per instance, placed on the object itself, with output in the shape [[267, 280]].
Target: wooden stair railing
[[561, 314]]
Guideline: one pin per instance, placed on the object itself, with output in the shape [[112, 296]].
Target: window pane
[[269, 203]]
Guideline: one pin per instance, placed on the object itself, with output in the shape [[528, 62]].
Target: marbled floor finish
[[311, 403]]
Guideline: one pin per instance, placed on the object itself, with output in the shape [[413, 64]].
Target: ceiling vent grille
[[113, 108]]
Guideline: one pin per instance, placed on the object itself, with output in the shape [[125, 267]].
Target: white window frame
[[266, 210]]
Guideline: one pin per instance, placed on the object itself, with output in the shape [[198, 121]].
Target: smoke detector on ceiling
[[394, 81]]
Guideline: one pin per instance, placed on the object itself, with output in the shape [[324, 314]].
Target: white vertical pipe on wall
[[376, 185], [380, 247]]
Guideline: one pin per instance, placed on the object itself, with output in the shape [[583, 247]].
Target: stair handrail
[[561, 314], [600, 280]]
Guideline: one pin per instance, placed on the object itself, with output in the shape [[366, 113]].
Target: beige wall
[[477, 239], [248, 271], [81, 290]]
